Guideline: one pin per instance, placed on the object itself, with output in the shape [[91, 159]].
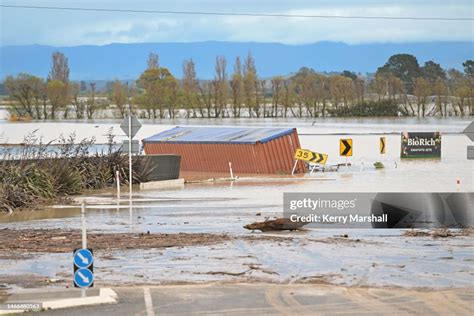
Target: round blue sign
[[83, 258], [83, 278]]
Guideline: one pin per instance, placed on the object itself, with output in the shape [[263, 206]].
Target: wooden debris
[[275, 225]]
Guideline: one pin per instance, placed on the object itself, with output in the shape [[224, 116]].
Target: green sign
[[421, 145]]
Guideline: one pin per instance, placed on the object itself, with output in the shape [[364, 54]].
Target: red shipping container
[[210, 149]]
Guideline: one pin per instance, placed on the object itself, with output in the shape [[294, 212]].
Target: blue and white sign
[[83, 278], [83, 258]]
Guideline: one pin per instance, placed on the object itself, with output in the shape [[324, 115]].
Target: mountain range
[[127, 61]]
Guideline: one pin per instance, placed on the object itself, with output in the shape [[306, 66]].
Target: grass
[[378, 165], [37, 175]]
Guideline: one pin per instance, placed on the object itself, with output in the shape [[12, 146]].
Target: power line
[[271, 15]]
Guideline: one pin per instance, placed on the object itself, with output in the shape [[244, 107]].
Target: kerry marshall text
[[338, 219]]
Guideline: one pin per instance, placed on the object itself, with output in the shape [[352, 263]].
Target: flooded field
[[365, 257]]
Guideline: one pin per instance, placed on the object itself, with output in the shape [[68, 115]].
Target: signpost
[[130, 125], [382, 145], [310, 157], [345, 147], [83, 259]]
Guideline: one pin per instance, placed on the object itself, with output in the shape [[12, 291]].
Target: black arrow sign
[[382, 141], [347, 147], [317, 157], [320, 158]]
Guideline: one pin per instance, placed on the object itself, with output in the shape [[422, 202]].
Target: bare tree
[[153, 61], [236, 85], [249, 80], [91, 102], [59, 68], [220, 86], [79, 107], [277, 87], [119, 97], [59, 73], [190, 86], [422, 91]]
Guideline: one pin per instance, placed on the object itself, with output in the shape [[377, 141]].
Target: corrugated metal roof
[[210, 135]]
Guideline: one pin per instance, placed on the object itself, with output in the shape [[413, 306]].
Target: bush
[[39, 175], [371, 108]]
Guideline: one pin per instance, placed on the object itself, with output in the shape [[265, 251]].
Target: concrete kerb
[[106, 296]]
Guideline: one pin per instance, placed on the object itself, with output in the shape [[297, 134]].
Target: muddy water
[[382, 258]]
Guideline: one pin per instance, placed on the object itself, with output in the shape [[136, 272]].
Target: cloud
[[66, 28]]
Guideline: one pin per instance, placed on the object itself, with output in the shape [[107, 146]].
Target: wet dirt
[[439, 233], [16, 243]]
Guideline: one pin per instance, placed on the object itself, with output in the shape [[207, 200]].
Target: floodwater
[[383, 257]]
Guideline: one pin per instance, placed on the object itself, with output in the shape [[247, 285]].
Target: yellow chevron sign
[[382, 145], [309, 156], [345, 147]]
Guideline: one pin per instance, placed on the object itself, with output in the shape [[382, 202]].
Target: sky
[[72, 28]]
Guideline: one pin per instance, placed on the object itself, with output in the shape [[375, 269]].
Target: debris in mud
[[25, 280], [48, 240], [256, 266], [415, 233], [318, 279], [224, 273], [275, 225], [29, 241], [438, 233]]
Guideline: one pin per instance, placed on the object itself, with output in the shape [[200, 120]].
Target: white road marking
[[148, 302]]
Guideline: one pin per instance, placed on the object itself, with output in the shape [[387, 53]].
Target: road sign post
[[83, 259], [130, 125]]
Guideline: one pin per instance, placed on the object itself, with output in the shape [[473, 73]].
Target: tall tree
[[153, 61], [431, 71], [440, 90], [91, 106], [25, 91], [159, 85], [59, 68], [118, 96], [422, 91], [250, 83], [190, 86], [277, 91], [59, 73], [79, 107], [220, 86], [469, 68], [56, 96], [403, 66], [236, 85]]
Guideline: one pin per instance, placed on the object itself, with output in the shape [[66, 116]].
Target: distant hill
[[125, 61]]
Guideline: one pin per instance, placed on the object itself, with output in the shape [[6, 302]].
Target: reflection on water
[[45, 213]]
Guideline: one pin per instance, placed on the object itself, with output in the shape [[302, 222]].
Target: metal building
[[250, 150]]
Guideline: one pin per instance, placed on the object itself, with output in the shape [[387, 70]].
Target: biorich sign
[[421, 145]]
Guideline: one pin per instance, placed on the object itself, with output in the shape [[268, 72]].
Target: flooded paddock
[[366, 257]]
